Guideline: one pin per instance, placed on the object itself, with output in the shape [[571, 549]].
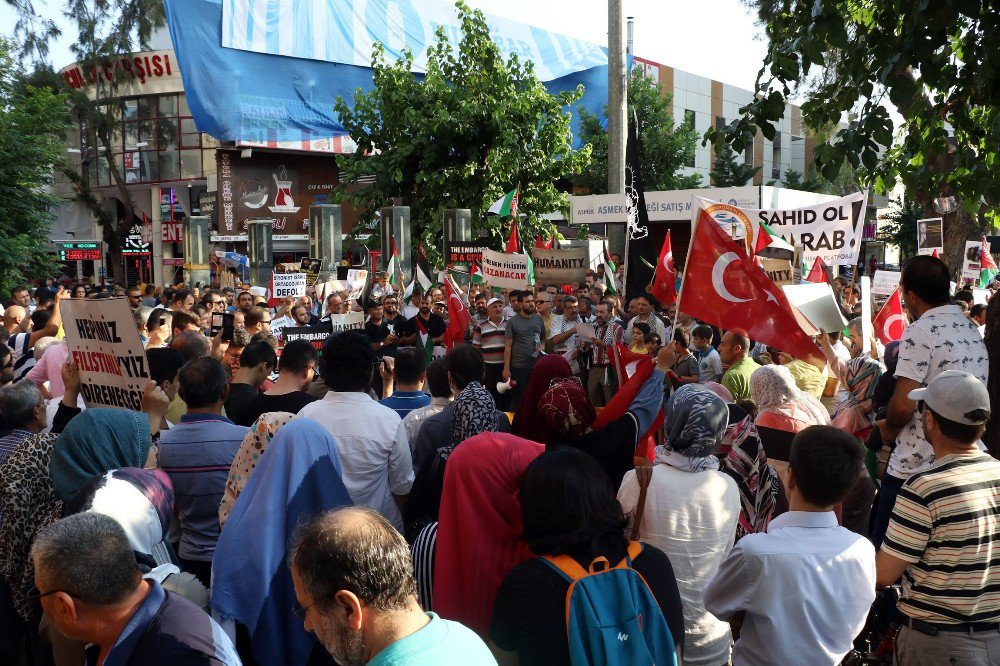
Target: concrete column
[[157, 237], [617, 116], [326, 235], [395, 224], [196, 244], [457, 225], [260, 251]]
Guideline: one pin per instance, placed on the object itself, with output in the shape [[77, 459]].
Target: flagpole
[[687, 257]]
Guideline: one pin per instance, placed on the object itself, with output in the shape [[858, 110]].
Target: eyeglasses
[[37, 595], [301, 612]]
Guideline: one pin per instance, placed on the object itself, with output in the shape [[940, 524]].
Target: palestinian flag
[[475, 273], [609, 272], [987, 267], [423, 270], [515, 246], [767, 237], [393, 268], [408, 294], [506, 206], [426, 341]]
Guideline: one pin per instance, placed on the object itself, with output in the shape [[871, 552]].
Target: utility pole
[[617, 117]]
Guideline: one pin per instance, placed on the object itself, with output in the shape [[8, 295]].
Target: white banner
[[505, 271], [885, 282], [972, 260], [104, 342], [352, 321], [284, 285], [831, 230]]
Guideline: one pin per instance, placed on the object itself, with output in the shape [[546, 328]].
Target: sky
[[711, 38]]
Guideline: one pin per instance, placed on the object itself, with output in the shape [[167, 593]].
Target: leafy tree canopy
[[664, 149], [899, 227], [32, 139], [460, 136]]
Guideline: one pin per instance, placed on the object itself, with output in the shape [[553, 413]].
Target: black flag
[[638, 242]]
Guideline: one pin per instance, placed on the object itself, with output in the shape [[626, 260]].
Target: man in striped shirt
[[489, 338], [944, 533]]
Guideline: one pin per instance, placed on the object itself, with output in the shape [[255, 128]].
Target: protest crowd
[[450, 474]]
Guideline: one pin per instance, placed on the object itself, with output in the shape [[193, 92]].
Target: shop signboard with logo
[[269, 185]]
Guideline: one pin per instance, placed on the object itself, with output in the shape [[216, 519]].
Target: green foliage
[[937, 63], [32, 139], [461, 136], [731, 170], [900, 227], [663, 148]]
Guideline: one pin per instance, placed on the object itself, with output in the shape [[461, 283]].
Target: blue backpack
[[611, 615]]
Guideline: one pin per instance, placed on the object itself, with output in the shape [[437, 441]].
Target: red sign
[[174, 261], [83, 255], [172, 231], [141, 67]]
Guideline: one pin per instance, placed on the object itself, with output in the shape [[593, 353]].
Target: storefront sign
[[135, 244], [174, 261], [276, 186], [660, 206], [141, 69], [80, 251]]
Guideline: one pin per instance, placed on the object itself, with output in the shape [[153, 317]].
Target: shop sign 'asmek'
[[267, 185]]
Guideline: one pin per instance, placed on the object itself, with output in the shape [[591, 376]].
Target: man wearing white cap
[[489, 338], [944, 533]]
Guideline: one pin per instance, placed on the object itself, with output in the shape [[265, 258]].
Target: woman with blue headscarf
[[690, 511], [298, 477]]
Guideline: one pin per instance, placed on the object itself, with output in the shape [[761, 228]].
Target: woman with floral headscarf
[[780, 403], [691, 511], [257, 439]]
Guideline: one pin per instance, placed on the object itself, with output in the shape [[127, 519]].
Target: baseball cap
[[493, 300], [955, 395]]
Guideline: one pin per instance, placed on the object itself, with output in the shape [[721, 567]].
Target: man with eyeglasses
[[90, 586], [355, 590], [214, 301], [134, 297]]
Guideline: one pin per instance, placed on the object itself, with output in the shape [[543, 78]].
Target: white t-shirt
[[709, 365], [942, 339], [655, 327]]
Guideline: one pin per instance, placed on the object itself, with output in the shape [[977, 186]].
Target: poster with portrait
[[930, 235]]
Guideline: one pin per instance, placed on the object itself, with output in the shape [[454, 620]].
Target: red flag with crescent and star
[[890, 322], [665, 276], [723, 286]]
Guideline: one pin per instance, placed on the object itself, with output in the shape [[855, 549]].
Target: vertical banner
[[638, 241], [972, 260], [930, 235], [104, 342], [867, 331]]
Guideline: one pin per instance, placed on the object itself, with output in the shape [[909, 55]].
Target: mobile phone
[[222, 321]]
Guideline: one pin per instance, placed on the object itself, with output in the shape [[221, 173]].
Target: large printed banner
[[563, 266], [104, 342], [317, 335], [830, 230], [505, 271]]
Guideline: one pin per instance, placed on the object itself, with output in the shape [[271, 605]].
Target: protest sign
[[867, 331], [505, 271], [284, 285], [103, 341], [356, 280], [779, 270], [560, 266], [352, 321], [315, 335], [464, 252], [831, 230], [930, 235], [885, 282], [310, 267], [818, 304], [971, 260]]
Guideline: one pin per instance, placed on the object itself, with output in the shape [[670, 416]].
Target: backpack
[[611, 615]]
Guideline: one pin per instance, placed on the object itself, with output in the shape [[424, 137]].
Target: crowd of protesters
[[390, 499]]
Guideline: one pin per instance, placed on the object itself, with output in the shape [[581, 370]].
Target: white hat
[[493, 300], [955, 395]]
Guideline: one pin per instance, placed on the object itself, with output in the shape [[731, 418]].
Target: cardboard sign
[[818, 304], [779, 270], [356, 280], [972, 260], [284, 285], [560, 266], [930, 235], [352, 321], [505, 271], [104, 342], [885, 282], [310, 267], [465, 252]]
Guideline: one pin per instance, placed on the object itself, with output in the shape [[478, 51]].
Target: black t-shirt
[[435, 326], [262, 404], [613, 446], [238, 402], [378, 333], [529, 615]]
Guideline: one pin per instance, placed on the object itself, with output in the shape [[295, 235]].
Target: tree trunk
[[957, 227], [992, 437]]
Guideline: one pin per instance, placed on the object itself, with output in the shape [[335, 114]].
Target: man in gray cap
[[944, 533]]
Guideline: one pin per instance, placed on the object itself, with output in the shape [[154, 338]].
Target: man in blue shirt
[[355, 590], [197, 454], [406, 373], [91, 587]]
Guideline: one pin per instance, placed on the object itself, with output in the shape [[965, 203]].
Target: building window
[[776, 173], [720, 122]]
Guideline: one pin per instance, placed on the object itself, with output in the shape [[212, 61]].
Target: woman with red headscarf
[[479, 532], [527, 420]]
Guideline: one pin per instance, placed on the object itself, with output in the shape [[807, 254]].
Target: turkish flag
[[665, 276], [633, 370], [458, 316], [723, 286], [890, 322], [818, 272]]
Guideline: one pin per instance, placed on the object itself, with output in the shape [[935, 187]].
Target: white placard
[[867, 331], [818, 304], [972, 260], [356, 279], [284, 285], [885, 282], [104, 342], [505, 271], [585, 331], [352, 321]]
